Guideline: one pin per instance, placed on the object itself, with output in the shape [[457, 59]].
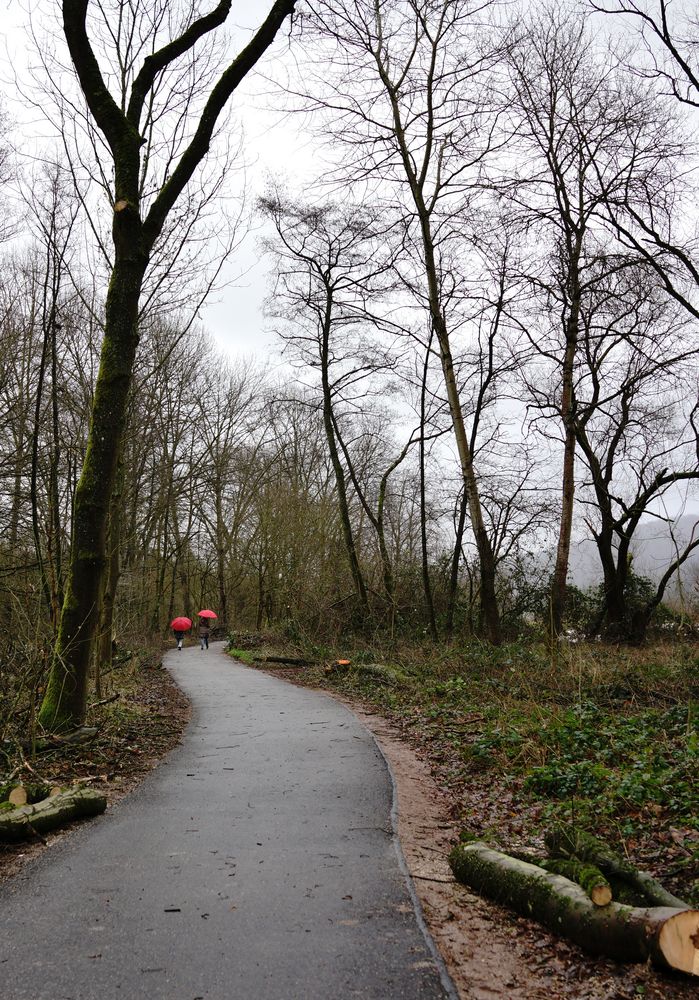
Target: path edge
[[445, 978]]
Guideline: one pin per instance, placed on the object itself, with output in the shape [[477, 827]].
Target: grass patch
[[244, 655]]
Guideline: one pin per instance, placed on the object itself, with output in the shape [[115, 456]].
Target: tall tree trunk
[[426, 582], [54, 532], [103, 660], [173, 589], [182, 564], [221, 549], [486, 558], [488, 596], [343, 506], [560, 573], [18, 494], [162, 558], [66, 692], [454, 574], [49, 591]]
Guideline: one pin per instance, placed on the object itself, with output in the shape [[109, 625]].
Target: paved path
[[257, 863]]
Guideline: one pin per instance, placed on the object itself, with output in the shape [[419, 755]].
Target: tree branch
[[199, 145]]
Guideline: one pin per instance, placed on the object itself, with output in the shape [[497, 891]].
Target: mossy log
[[27, 821], [380, 674], [565, 841], [666, 935], [285, 661], [585, 874]]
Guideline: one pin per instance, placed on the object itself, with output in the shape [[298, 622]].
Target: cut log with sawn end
[[584, 874], [29, 821], [566, 841], [668, 936]]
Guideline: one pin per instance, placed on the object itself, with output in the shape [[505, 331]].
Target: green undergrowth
[[605, 737]]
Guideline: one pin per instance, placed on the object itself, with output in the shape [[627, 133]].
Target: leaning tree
[[136, 228]]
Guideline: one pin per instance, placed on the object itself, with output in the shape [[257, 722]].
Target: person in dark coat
[[179, 636], [204, 632]]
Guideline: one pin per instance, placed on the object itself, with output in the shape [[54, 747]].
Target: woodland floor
[[489, 951], [136, 732]]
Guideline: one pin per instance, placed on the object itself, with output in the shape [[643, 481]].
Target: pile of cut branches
[[588, 893]]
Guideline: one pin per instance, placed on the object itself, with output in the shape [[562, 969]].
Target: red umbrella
[[207, 614], [181, 624]]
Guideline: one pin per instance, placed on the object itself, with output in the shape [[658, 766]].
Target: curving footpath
[[259, 862]]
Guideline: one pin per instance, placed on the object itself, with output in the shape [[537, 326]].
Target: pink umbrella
[[206, 614], [181, 624]]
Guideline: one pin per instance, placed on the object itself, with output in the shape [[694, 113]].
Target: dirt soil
[[489, 951]]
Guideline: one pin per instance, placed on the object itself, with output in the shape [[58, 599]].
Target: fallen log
[[380, 674], [587, 875], [565, 841], [73, 803], [666, 935], [285, 661]]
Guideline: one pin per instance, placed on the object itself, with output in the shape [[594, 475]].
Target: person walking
[[204, 632], [180, 626]]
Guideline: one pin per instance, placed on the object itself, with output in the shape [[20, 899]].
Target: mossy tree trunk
[[66, 693], [134, 236], [104, 655]]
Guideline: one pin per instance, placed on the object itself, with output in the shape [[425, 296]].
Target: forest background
[[483, 283]]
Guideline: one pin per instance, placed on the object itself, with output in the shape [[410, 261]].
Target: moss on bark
[[663, 934], [26, 821]]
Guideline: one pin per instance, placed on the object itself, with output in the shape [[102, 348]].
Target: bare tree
[[329, 266], [227, 405], [404, 94], [657, 219], [134, 237], [583, 133], [670, 33], [636, 428], [52, 212]]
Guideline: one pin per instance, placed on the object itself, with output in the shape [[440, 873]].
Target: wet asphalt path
[[257, 863]]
